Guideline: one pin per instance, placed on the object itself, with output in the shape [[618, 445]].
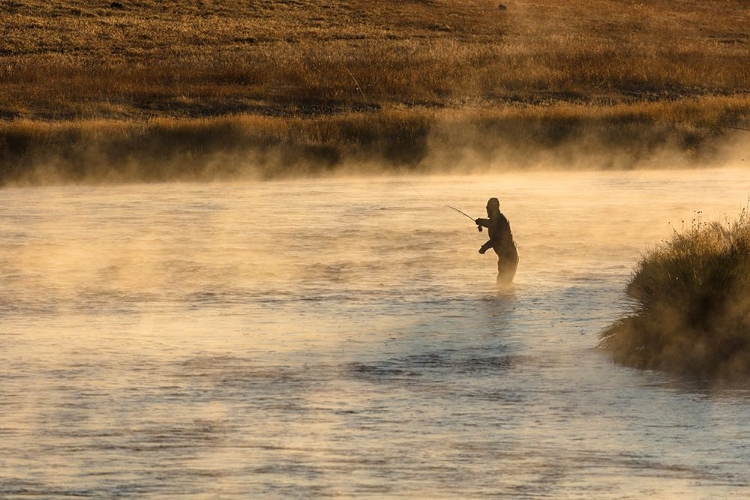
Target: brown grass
[[421, 139], [690, 305], [343, 67]]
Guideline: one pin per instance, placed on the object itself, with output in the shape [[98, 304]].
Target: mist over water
[[343, 337]]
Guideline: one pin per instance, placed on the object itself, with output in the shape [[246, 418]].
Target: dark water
[[343, 338]]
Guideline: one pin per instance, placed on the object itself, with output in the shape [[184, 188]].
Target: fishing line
[[737, 128], [716, 128], [729, 126], [438, 205], [417, 191], [356, 83]]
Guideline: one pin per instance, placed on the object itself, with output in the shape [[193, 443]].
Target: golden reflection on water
[[344, 337]]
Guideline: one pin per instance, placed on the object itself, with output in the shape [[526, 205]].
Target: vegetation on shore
[[691, 305], [422, 140], [321, 82]]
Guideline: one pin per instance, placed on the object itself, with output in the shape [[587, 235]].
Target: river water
[[344, 338]]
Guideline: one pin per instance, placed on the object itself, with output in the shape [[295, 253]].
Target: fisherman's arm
[[482, 222], [486, 246]]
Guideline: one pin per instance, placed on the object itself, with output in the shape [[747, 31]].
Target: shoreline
[[663, 134]]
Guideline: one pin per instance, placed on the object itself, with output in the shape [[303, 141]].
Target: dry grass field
[[320, 82]]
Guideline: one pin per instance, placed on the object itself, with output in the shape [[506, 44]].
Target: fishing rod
[[465, 215], [432, 202]]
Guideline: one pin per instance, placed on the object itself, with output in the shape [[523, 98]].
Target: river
[[344, 338]]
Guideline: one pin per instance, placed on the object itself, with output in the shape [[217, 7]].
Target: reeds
[[691, 305]]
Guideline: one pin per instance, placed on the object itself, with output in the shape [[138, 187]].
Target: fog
[[238, 149], [343, 336]]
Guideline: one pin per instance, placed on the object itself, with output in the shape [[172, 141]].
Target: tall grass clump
[[691, 305]]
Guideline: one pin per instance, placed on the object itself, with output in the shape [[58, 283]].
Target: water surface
[[344, 338]]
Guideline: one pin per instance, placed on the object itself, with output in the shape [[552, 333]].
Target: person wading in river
[[501, 240]]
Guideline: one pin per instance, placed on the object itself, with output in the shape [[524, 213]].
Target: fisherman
[[501, 240]]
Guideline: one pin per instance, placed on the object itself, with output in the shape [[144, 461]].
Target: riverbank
[[690, 298], [170, 91], [562, 137]]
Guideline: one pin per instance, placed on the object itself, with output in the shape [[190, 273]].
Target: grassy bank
[[691, 301], [563, 136], [324, 79]]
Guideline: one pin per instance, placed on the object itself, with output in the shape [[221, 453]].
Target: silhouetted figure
[[501, 240]]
